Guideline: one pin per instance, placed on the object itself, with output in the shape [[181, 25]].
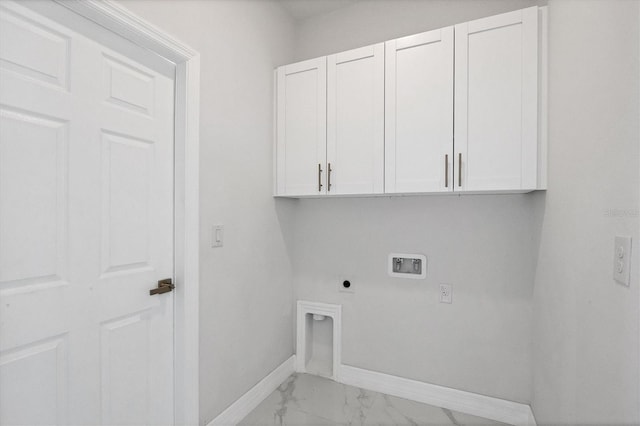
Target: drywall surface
[[246, 322], [485, 246], [586, 354]]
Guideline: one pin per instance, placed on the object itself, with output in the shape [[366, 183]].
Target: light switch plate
[[622, 260], [217, 236]]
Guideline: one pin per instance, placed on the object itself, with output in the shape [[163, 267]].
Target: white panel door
[[355, 121], [301, 128], [496, 90], [419, 113], [86, 230]]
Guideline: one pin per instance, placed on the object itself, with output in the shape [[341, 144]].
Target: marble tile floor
[[306, 400]]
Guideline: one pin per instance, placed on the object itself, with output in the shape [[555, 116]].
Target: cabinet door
[[419, 113], [301, 128], [355, 121], [496, 89]]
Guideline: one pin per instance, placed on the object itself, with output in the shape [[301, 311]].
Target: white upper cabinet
[[419, 113], [355, 121], [301, 128], [460, 109], [496, 103]]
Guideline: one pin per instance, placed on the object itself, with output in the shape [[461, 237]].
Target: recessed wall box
[[407, 265], [318, 343]]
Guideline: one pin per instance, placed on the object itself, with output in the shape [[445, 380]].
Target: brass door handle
[[164, 286]]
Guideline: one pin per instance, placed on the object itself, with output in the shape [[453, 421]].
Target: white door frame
[[123, 22]]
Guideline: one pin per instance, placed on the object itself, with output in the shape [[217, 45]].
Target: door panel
[[41, 396], [355, 121], [86, 230], [125, 351], [126, 180], [419, 113], [128, 87], [496, 102], [33, 154], [495, 71], [301, 128], [47, 58]]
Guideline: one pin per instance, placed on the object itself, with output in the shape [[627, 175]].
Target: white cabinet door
[[419, 113], [301, 128], [86, 220], [355, 121], [496, 91]]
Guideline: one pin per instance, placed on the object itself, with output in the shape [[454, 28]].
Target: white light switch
[[217, 236], [622, 260]]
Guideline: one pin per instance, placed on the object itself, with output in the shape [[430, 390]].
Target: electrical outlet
[[622, 260], [446, 293]]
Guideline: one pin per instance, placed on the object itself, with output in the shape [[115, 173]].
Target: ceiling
[[303, 9]]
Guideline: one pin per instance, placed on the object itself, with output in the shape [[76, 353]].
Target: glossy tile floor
[[304, 400]]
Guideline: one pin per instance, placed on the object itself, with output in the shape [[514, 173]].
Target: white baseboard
[[500, 410], [250, 400]]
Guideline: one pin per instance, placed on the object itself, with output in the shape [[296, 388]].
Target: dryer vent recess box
[[492, 142]]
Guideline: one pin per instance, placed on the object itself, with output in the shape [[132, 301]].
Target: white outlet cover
[[622, 260], [446, 293]]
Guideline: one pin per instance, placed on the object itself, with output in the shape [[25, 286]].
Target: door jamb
[[123, 22]]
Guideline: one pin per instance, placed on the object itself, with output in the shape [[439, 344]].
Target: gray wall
[[485, 246], [373, 21], [586, 327], [246, 303]]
